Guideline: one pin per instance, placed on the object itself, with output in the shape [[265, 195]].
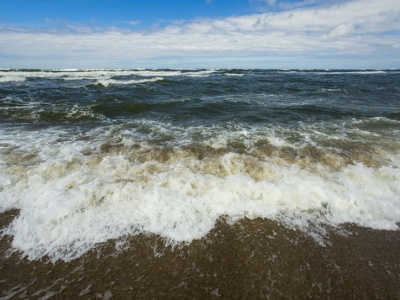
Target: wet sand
[[251, 259]]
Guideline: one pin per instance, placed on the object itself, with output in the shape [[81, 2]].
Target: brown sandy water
[[251, 259]]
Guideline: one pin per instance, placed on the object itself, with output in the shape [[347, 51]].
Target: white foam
[[11, 78], [108, 74], [108, 82], [69, 202], [66, 70], [361, 72], [97, 74], [332, 72]]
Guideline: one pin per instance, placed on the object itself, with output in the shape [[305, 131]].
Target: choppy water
[[93, 155]]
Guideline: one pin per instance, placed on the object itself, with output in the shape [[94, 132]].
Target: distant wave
[[108, 82], [333, 72], [12, 78], [10, 75]]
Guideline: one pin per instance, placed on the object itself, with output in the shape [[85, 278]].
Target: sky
[[288, 34]]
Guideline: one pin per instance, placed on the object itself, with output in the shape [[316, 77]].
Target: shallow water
[[249, 259]]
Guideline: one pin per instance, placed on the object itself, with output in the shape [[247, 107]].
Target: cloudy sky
[[200, 34]]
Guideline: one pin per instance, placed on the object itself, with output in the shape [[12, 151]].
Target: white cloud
[[132, 22], [50, 20], [361, 30], [341, 30]]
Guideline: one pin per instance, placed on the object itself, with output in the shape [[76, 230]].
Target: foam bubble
[[76, 190], [107, 82], [12, 78]]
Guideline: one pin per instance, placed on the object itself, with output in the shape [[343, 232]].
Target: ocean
[[199, 183]]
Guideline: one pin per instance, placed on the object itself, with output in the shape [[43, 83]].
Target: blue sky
[[200, 34], [116, 12]]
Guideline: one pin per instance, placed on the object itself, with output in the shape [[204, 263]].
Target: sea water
[[88, 156]]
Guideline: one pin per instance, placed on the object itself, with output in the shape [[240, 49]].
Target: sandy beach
[[251, 259]]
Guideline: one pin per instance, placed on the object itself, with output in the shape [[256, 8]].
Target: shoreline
[[249, 259]]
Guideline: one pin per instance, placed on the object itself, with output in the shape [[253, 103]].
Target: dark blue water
[[186, 97]]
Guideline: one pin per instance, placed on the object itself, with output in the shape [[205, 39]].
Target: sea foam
[[74, 194], [97, 74]]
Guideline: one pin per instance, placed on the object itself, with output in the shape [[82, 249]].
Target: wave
[[233, 74], [352, 72], [12, 78], [96, 74], [75, 190], [162, 152], [17, 110], [333, 72], [108, 82], [104, 75]]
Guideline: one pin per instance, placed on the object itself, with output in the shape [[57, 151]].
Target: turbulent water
[[87, 156]]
